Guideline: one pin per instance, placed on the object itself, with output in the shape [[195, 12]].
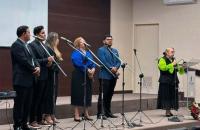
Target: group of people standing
[[35, 78], [83, 75]]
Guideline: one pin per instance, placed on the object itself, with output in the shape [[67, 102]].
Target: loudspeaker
[[179, 2]]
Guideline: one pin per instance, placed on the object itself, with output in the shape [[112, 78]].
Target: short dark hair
[[37, 30], [21, 29], [107, 35]]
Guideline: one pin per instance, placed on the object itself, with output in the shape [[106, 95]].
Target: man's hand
[[114, 70], [117, 73], [50, 58], [37, 71]]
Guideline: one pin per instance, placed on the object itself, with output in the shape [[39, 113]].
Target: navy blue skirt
[[77, 89]]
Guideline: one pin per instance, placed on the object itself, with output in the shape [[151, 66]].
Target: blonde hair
[[77, 41], [51, 42], [51, 39]]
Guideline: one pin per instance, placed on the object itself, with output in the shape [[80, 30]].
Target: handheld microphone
[[87, 44], [181, 60], [63, 38], [38, 37]]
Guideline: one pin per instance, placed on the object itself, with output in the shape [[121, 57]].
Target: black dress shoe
[[110, 115], [99, 117], [17, 128], [171, 114], [167, 115], [77, 120], [25, 127]]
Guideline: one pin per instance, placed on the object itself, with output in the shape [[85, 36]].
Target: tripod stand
[[101, 115], [131, 125], [70, 43], [176, 118], [140, 111], [54, 125]]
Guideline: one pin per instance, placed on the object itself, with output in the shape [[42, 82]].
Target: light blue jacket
[[109, 61]]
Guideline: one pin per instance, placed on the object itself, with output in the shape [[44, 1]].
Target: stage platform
[[160, 122], [65, 110]]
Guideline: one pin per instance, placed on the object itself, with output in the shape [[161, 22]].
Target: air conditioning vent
[[179, 2]]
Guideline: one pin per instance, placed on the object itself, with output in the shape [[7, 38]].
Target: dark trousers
[[108, 90], [51, 93], [38, 102], [22, 103]]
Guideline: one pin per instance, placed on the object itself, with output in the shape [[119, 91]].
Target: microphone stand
[[175, 118], [123, 65], [84, 84], [54, 84], [140, 111], [54, 103], [101, 66], [102, 114], [51, 55]]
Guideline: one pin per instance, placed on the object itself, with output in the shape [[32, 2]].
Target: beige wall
[[121, 30], [179, 27]]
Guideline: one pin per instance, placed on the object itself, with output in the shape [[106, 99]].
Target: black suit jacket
[[41, 57], [22, 65]]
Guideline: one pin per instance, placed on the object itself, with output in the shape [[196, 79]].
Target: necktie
[[30, 54]]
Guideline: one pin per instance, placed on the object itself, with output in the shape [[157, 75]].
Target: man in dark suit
[[107, 81], [39, 100], [24, 71]]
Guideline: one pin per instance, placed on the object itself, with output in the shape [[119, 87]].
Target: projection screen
[[14, 13]]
